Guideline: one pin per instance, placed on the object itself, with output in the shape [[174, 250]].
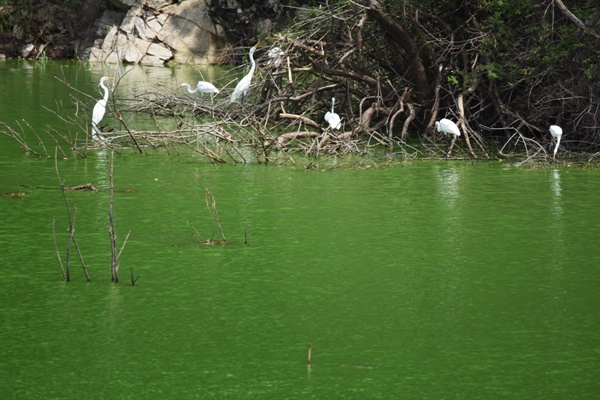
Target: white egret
[[202, 87], [99, 110], [332, 118], [449, 128], [556, 132], [244, 83]]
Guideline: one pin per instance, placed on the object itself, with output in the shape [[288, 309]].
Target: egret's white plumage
[[447, 126], [99, 110], [244, 83], [556, 132], [202, 87], [450, 129], [332, 118]]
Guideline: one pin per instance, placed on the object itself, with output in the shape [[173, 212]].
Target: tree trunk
[[405, 46]]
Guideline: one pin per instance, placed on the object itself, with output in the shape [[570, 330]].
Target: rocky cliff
[[154, 32], [137, 31]]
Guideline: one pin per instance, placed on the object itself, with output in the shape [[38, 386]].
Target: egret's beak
[[256, 45]]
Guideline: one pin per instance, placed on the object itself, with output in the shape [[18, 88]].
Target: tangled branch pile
[[505, 73]]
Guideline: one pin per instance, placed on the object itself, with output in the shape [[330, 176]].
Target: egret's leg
[[447, 146], [96, 129], [555, 148], [450, 145]]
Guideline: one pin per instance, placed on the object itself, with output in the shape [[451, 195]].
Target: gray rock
[[155, 32], [26, 50], [159, 50]]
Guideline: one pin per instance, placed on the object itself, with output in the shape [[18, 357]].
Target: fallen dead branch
[[87, 186], [72, 239]]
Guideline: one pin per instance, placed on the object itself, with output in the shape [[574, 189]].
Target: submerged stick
[[210, 197], [65, 276], [87, 276], [115, 255], [123, 245], [87, 186], [133, 278], [114, 265], [20, 138], [72, 238], [309, 356]]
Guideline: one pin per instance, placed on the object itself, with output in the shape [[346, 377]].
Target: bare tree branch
[[575, 20]]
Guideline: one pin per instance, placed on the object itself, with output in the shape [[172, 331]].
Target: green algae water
[[422, 280]]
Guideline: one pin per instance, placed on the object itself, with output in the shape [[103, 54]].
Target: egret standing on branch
[[556, 132], [449, 128], [202, 87], [244, 84], [334, 120], [99, 110]]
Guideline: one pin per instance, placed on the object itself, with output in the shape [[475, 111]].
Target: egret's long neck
[[332, 104], [105, 91], [189, 88], [557, 143], [252, 61]]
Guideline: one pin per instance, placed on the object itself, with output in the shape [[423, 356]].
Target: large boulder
[[156, 32], [181, 31], [190, 31]]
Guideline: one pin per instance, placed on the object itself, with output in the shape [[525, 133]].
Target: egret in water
[[449, 128], [202, 87], [244, 84], [334, 120], [100, 109], [556, 132]]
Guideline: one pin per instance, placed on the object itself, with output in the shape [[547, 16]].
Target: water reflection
[[448, 276], [449, 190], [449, 180], [556, 304], [137, 80], [101, 165], [557, 191], [556, 236]]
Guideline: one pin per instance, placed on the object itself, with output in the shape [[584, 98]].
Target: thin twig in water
[[65, 275], [213, 205], [115, 256], [72, 238], [114, 265]]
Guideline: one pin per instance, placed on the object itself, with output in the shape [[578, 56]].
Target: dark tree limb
[[573, 18], [404, 44], [302, 118]]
